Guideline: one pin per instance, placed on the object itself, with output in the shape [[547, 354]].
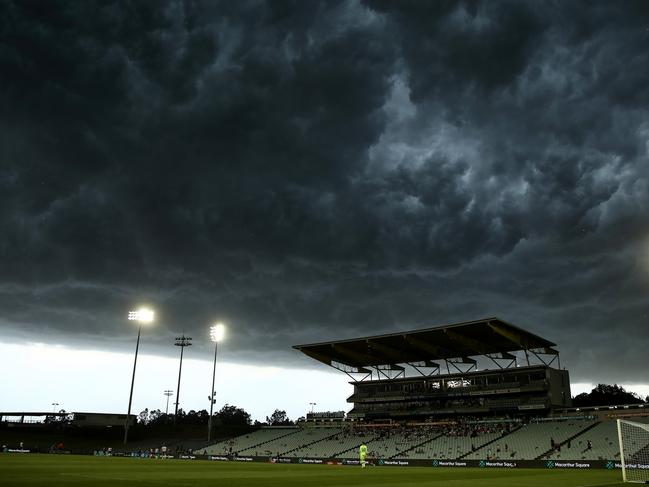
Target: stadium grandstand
[[483, 390], [446, 363]]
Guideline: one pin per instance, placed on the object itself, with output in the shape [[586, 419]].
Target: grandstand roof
[[471, 338]]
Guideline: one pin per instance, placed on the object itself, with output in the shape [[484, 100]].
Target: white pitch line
[[600, 485]]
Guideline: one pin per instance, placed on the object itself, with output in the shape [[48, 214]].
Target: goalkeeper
[[362, 453]]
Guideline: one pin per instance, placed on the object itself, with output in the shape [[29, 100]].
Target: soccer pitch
[[53, 471]]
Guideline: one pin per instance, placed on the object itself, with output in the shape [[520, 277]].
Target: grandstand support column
[[547, 351]]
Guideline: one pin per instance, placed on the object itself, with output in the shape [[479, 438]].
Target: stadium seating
[[470, 440], [281, 446], [604, 444], [390, 444], [451, 447], [346, 441], [248, 441], [530, 441]]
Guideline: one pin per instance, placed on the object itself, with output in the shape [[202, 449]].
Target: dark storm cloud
[[314, 170]]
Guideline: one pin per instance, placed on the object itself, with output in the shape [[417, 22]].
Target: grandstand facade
[[483, 368]]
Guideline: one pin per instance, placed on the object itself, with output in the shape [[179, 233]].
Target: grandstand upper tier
[[477, 367]]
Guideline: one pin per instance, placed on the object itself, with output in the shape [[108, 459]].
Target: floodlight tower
[[182, 342], [312, 404], [142, 316], [54, 404], [168, 393], [217, 333]]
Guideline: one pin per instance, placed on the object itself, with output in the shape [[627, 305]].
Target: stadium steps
[[309, 444], [417, 446], [565, 442], [293, 432], [490, 442]]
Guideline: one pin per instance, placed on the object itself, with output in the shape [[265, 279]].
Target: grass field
[[54, 471]]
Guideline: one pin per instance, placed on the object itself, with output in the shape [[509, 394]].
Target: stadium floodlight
[[54, 404], [168, 393], [182, 342], [143, 316], [217, 334]]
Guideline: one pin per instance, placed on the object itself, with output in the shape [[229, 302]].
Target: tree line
[[607, 395], [228, 415], [233, 416]]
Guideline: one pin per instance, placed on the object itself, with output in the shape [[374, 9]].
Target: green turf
[[60, 470]]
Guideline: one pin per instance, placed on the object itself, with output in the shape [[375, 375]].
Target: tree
[[143, 417], [278, 418], [606, 395], [154, 415], [233, 416], [196, 417]]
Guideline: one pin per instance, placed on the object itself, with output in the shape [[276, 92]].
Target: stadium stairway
[[490, 442], [416, 446], [565, 442], [286, 453]]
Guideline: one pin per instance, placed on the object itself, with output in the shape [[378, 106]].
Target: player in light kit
[[362, 453]]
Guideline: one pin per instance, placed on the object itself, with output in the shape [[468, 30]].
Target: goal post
[[634, 450]]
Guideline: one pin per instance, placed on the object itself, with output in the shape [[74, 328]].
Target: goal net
[[634, 450]]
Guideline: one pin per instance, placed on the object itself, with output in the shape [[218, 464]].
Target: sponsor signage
[[218, 458], [555, 464], [632, 466], [497, 464], [311, 460], [444, 463], [449, 463]]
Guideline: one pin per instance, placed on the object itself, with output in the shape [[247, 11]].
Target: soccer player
[[362, 453]]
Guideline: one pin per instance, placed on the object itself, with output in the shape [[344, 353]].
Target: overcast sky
[[309, 171]]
